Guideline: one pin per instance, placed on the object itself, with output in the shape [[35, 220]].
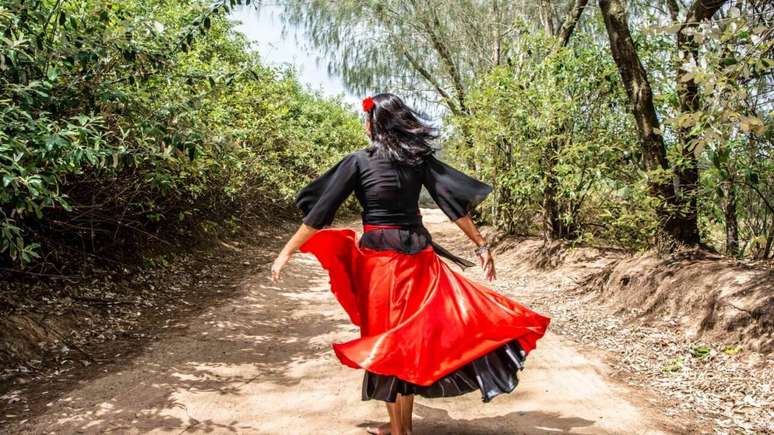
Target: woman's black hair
[[398, 132]]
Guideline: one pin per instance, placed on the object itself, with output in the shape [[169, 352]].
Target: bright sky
[[264, 26]]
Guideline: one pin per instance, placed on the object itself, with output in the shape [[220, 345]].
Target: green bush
[[560, 117], [124, 119]]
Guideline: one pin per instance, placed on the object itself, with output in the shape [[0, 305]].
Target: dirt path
[[262, 363]]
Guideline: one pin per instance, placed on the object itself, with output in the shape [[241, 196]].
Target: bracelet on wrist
[[481, 249]]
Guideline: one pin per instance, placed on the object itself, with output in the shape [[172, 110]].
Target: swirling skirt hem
[[492, 374]]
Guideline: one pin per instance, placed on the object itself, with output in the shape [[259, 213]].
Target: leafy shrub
[[558, 122], [127, 120]]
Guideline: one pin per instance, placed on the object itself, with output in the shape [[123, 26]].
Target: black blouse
[[387, 191], [389, 195]]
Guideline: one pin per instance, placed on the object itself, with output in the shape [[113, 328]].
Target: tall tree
[[678, 211], [637, 85], [433, 49], [687, 171], [553, 227]]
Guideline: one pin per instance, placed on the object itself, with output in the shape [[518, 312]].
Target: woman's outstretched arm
[[486, 259], [303, 234]]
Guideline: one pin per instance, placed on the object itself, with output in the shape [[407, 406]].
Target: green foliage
[[730, 133], [131, 119], [121, 119], [558, 115], [736, 124], [700, 351]]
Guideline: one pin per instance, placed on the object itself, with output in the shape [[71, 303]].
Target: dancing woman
[[424, 329]]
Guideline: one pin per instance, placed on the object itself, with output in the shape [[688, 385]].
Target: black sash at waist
[[407, 239]]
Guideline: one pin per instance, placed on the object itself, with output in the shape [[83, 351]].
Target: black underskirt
[[492, 374]]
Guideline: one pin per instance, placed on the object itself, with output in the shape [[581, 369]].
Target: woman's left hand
[[276, 268], [487, 263]]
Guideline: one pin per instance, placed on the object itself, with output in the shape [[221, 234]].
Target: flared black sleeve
[[454, 192], [320, 199]]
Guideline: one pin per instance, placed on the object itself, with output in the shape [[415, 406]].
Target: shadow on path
[[437, 421], [257, 338]]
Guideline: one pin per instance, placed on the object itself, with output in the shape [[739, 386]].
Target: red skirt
[[420, 322]]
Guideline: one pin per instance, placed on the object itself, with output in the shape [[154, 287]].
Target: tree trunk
[[686, 193], [674, 225], [552, 226], [732, 225], [547, 17], [687, 173], [497, 50], [432, 27]]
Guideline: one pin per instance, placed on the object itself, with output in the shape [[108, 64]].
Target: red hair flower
[[368, 104]]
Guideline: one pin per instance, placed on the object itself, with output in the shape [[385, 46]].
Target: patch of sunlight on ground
[[237, 371]]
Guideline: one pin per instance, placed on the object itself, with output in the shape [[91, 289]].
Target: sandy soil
[[262, 363]]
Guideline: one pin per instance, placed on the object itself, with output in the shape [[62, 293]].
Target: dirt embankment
[[713, 298], [706, 296], [695, 327]]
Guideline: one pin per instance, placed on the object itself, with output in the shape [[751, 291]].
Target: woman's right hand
[[276, 267], [302, 234], [487, 263]]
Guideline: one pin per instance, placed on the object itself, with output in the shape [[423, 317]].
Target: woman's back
[[389, 191]]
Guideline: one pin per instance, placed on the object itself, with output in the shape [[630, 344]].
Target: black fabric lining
[[492, 374]]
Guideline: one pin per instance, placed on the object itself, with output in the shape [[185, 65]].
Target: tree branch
[[688, 90], [446, 58], [568, 27], [430, 79], [763, 197], [546, 15], [702, 10], [674, 10]]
